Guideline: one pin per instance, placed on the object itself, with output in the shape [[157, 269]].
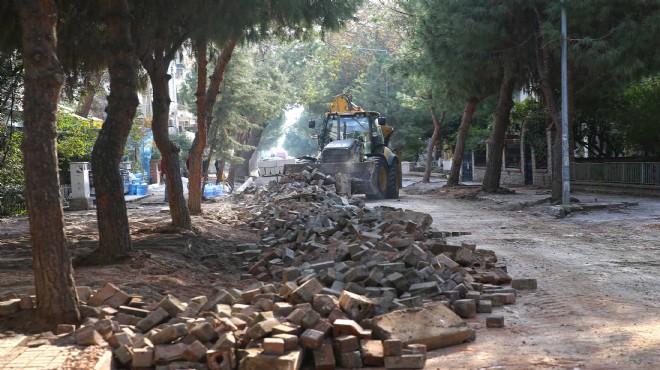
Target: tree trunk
[[457, 162], [206, 99], [253, 140], [57, 302], [432, 143], [92, 83], [114, 233], [231, 175], [198, 144], [168, 150], [502, 119], [543, 66]]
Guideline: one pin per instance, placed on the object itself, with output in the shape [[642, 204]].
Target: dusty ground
[[597, 306]]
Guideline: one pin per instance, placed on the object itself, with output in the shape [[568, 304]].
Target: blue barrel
[[133, 188], [208, 191], [142, 189]]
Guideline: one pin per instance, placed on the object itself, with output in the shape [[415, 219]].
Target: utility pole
[[565, 165]]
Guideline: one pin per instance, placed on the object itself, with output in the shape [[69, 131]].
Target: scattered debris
[[335, 282]]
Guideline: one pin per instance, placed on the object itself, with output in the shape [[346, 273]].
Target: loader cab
[[361, 127]]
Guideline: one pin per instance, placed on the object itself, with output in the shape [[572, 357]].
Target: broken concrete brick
[[28, 302], [143, 357], [392, 347], [357, 307], [290, 341], [120, 339], [484, 306], [10, 307], [204, 332], [447, 328], [310, 319], [324, 358], [324, 327], [194, 307], [274, 346], [169, 334], [102, 295], [357, 273], [465, 308], [494, 321], [88, 337], [287, 328], [118, 299], [264, 304], [65, 328], [196, 352], [350, 360], [508, 298], [372, 352], [153, 319], [221, 359], [446, 261], [349, 327], [312, 339], [142, 342], [164, 353], [324, 304], [417, 348], [107, 312], [296, 316], [134, 311], [415, 361], [262, 329], [255, 359], [221, 297], [346, 343], [124, 354], [91, 312], [84, 293], [248, 295], [306, 292], [282, 308], [225, 340]]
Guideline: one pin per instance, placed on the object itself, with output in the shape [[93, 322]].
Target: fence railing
[[641, 173], [12, 202]]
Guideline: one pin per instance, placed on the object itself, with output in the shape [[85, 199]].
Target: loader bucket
[[362, 174]]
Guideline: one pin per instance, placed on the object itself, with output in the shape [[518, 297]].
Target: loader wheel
[[392, 182], [380, 178]]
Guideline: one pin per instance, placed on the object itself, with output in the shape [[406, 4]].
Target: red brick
[[324, 358], [312, 339], [274, 346]]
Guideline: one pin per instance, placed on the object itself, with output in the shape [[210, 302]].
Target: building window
[[512, 156]]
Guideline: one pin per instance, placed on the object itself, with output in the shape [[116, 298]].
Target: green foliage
[[184, 143], [533, 116], [11, 160], [638, 117], [75, 139], [134, 141], [478, 132]]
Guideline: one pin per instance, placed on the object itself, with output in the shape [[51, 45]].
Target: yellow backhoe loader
[[355, 142]]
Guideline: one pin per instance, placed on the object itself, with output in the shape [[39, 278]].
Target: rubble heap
[[389, 255], [335, 283]]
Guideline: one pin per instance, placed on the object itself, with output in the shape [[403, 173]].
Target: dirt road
[[598, 302], [597, 305]]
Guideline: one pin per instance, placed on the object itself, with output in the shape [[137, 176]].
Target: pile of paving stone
[[389, 255], [336, 280]]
